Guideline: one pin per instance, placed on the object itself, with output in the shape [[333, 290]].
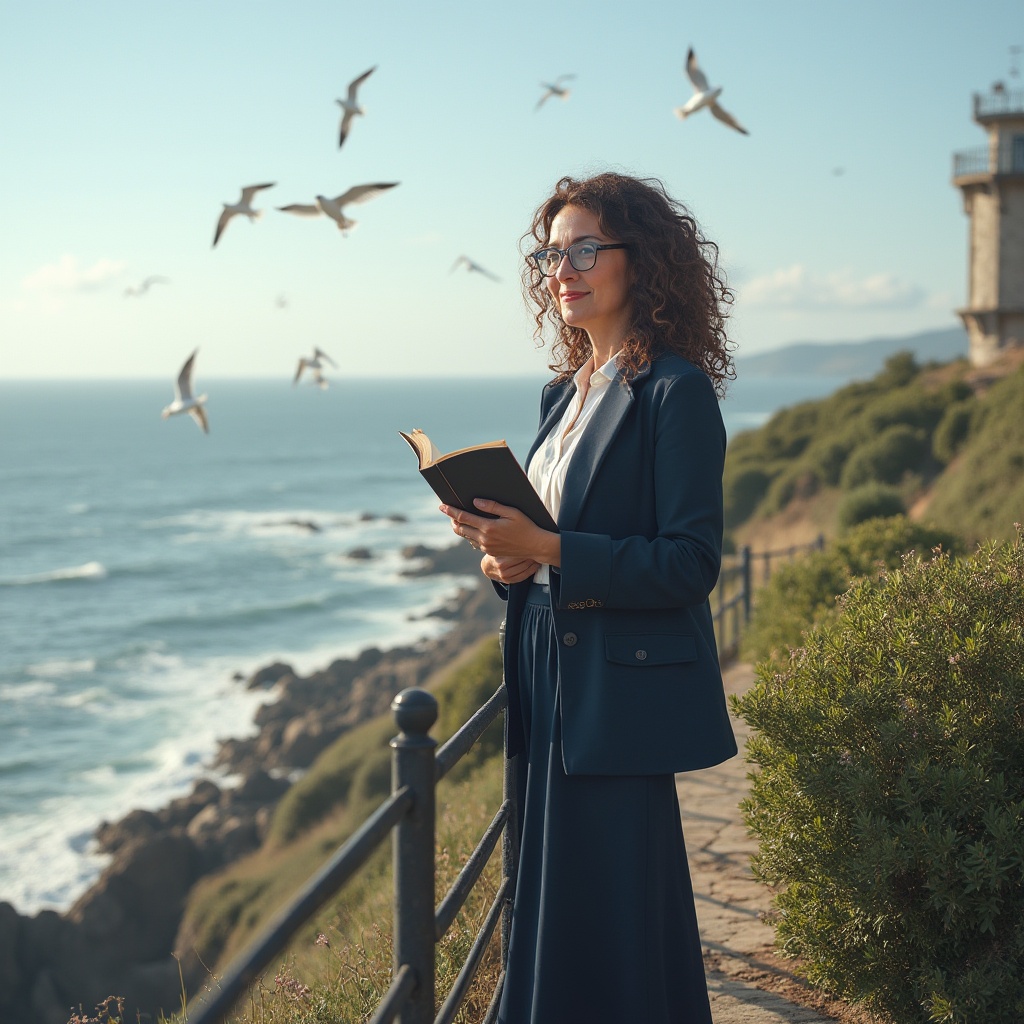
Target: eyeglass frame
[[562, 253]]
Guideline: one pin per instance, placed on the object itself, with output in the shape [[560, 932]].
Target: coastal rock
[[267, 676], [360, 554], [132, 913], [10, 943], [135, 825], [304, 739], [460, 560]]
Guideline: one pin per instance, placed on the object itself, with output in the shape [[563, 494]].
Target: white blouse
[[550, 461]]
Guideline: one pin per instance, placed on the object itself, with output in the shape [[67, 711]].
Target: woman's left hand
[[512, 534]]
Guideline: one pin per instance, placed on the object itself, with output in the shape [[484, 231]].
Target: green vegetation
[[889, 802], [804, 592], [880, 445], [339, 965], [983, 490]]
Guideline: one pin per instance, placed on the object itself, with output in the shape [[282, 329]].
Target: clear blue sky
[[126, 125]]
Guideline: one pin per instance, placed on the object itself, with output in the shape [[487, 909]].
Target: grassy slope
[[787, 481]]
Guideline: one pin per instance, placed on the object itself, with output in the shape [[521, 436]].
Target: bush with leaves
[[803, 592], [885, 458], [869, 501], [889, 800], [953, 430]]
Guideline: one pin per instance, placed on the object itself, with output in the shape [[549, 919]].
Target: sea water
[[146, 569]]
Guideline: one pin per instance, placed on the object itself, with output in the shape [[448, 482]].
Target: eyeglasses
[[582, 256]]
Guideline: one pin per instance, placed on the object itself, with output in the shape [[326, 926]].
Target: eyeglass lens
[[582, 256]]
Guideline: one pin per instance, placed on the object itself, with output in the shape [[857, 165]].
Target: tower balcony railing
[[995, 103], [1007, 159]]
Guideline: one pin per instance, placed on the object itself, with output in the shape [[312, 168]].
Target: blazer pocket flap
[[649, 648]]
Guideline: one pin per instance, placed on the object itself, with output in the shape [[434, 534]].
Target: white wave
[[26, 691], [60, 667], [78, 508], [88, 571]]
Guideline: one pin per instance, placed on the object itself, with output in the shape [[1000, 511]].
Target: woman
[[610, 658]]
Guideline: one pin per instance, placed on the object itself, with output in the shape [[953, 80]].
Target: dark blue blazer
[[640, 688]]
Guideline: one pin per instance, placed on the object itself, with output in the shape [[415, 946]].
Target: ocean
[[146, 569]]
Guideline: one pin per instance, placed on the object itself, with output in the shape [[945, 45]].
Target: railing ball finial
[[415, 711]]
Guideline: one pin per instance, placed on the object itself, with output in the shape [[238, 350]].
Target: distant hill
[[853, 359]]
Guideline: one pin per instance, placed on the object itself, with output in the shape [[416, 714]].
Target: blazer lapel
[[552, 415], [593, 446]]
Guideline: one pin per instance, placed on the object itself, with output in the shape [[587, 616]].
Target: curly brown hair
[[679, 295]]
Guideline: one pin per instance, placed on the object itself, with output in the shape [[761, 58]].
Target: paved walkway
[[748, 983]]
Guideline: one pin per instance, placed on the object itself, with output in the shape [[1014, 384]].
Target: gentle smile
[[571, 296]]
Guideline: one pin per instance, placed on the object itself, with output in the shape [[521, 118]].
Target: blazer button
[[569, 639], [641, 655]]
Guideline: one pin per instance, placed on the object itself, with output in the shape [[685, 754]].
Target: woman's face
[[596, 300]]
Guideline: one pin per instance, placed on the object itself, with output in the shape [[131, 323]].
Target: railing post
[[412, 765], [745, 570]]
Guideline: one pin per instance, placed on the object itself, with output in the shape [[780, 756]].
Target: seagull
[[316, 366], [244, 206], [470, 265], [349, 106], [703, 96], [554, 89], [144, 286], [183, 400], [333, 207]]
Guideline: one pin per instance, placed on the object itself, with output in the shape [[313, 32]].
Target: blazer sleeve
[[680, 565]]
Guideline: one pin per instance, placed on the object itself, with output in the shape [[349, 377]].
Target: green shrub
[[953, 430], [828, 456], [742, 491], [885, 458], [899, 369], [982, 494], [803, 592], [889, 800], [869, 501]]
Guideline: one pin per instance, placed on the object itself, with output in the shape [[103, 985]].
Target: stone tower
[[992, 181]]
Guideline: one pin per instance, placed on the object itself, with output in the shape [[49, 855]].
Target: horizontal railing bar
[[727, 605], [394, 1000], [780, 552], [457, 746], [492, 1011], [460, 890], [276, 936], [458, 990]]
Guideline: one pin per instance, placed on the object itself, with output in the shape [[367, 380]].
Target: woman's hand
[[508, 570], [509, 539]]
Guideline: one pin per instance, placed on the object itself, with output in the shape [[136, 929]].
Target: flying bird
[[334, 207], [471, 266], [704, 96], [555, 88], [349, 107], [243, 206], [316, 366], [145, 285], [183, 400]]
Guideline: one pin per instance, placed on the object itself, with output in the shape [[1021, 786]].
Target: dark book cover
[[483, 471]]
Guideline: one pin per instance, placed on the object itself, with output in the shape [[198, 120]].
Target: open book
[[480, 471]]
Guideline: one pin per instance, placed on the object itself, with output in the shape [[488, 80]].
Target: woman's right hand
[[509, 569]]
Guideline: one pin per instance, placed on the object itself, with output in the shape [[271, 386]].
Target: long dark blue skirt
[[604, 929]]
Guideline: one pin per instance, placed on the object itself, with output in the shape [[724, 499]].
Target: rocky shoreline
[[120, 936]]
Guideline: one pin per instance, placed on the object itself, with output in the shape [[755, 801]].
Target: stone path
[[748, 982]]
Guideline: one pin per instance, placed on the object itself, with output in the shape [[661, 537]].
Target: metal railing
[[1002, 102], [734, 592], [408, 815], [1008, 158]]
